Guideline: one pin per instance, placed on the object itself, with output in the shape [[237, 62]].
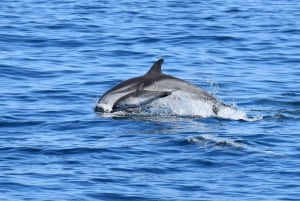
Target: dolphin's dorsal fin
[[155, 68]]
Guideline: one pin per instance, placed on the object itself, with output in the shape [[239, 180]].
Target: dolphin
[[138, 98], [154, 85]]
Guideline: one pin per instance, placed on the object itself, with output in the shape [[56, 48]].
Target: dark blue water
[[58, 57]]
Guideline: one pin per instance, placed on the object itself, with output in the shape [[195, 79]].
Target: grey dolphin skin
[[140, 91]]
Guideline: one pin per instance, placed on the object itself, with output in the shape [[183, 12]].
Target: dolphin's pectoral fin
[[139, 98], [163, 94]]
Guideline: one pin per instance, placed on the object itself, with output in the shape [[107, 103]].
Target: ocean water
[[58, 57]]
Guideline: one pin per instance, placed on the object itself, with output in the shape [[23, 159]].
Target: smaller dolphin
[[153, 86], [138, 98]]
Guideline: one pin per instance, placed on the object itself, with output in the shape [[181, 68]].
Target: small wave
[[53, 151], [20, 123], [211, 141]]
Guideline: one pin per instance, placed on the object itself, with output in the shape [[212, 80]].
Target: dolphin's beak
[[102, 108]]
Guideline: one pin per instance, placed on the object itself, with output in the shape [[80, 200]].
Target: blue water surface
[[58, 57]]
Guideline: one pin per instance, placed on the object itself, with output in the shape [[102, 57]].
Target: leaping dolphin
[[154, 85]]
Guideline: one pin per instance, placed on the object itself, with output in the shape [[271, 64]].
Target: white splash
[[182, 104]]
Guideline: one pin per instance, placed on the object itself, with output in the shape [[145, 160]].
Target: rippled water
[[58, 57]]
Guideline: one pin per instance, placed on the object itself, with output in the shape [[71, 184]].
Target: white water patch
[[227, 112], [184, 104], [185, 107]]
